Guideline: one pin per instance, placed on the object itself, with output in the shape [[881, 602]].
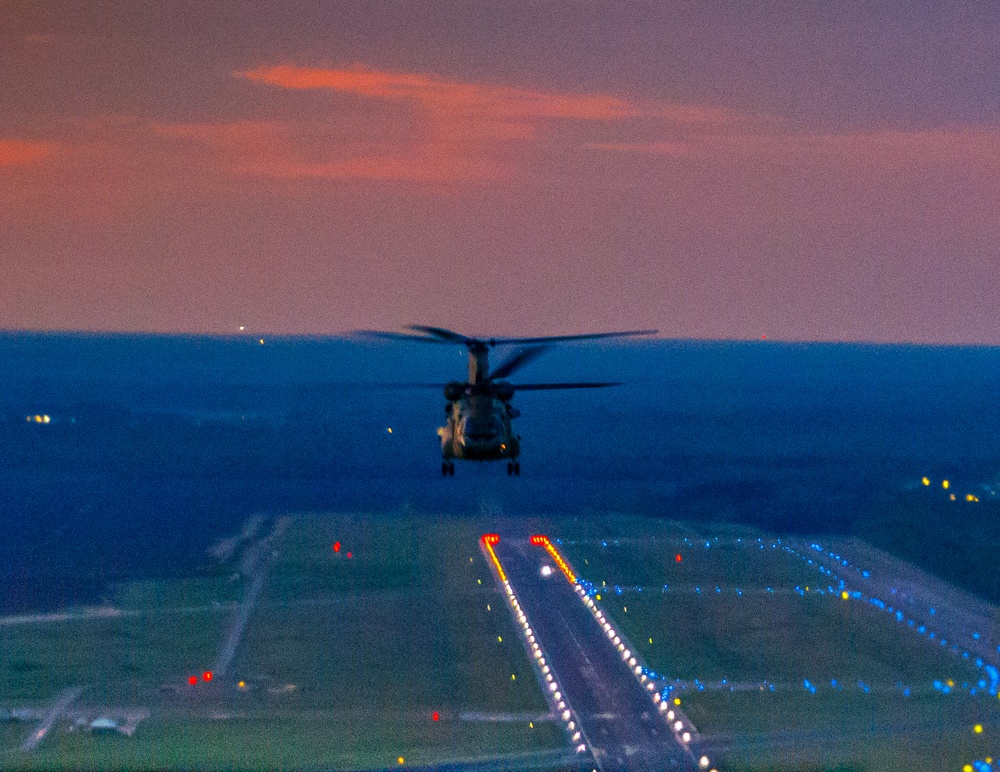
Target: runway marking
[[683, 729], [63, 701], [260, 564], [544, 670]]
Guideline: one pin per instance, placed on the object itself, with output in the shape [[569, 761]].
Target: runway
[[621, 726]]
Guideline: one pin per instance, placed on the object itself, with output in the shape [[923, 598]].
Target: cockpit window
[[480, 428]]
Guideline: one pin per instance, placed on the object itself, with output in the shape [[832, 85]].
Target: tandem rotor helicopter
[[479, 412]]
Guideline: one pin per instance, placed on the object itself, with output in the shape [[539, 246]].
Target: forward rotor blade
[[440, 333], [547, 386], [399, 336], [515, 362], [557, 338]]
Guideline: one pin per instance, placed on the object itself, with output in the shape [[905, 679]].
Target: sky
[[801, 171]]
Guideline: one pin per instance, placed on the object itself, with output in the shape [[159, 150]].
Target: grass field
[[345, 659], [131, 652], [342, 664], [768, 663]]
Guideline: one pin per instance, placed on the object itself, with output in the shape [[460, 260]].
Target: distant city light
[[945, 484], [546, 570], [926, 481]]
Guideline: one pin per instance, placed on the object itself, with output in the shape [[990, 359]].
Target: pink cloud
[[458, 130], [23, 152], [442, 94], [887, 148], [290, 151]]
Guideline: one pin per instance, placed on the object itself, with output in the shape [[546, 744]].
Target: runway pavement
[[617, 717]]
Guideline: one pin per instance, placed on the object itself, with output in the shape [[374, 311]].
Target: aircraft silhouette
[[479, 410]]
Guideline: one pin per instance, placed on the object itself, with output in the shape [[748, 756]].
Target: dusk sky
[[804, 171]]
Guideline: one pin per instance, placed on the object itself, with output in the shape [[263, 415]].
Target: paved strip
[[63, 701], [259, 562], [625, 732]]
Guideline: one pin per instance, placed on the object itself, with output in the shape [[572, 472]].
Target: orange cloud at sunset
[[885, 149], [439, 93], [289, 151], [20, 152], [450, 130]]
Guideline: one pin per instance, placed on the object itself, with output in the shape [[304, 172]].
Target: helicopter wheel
[[444, 469], [510, 469], [451, 469], [517, 468]]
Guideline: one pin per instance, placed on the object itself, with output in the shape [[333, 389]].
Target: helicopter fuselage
[[479, 429], [479, 410]]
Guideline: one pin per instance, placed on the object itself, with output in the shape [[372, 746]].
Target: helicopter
[[478, 411]]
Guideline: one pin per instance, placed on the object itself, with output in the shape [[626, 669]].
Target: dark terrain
[[156, 445]]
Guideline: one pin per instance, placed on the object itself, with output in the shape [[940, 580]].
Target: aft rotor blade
[[558, 338], [441, 333], [399, 336], [517, 361], [546, 386]]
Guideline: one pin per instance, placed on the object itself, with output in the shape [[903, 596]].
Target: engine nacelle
[[503, 391], [454, 391]]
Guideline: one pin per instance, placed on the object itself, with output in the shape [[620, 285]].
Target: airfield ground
[[778, 669], [334, 640], [345, 658]]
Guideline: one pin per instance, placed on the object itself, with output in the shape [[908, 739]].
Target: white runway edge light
[[683, 732], [554, 693]]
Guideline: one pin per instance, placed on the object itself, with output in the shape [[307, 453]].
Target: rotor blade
[[517, 361], [441, 333], [557, 338], [546, 386], [399, 336], [393, 386]]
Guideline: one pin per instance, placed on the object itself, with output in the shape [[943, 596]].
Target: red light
[[539, 540], [436, 716], [207, 675], [336, 546], [350, 554], [678, 557], [491, 538], [193, 680]]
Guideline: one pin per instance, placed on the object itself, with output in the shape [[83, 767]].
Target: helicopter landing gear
[[513, 468], [447, 469]]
